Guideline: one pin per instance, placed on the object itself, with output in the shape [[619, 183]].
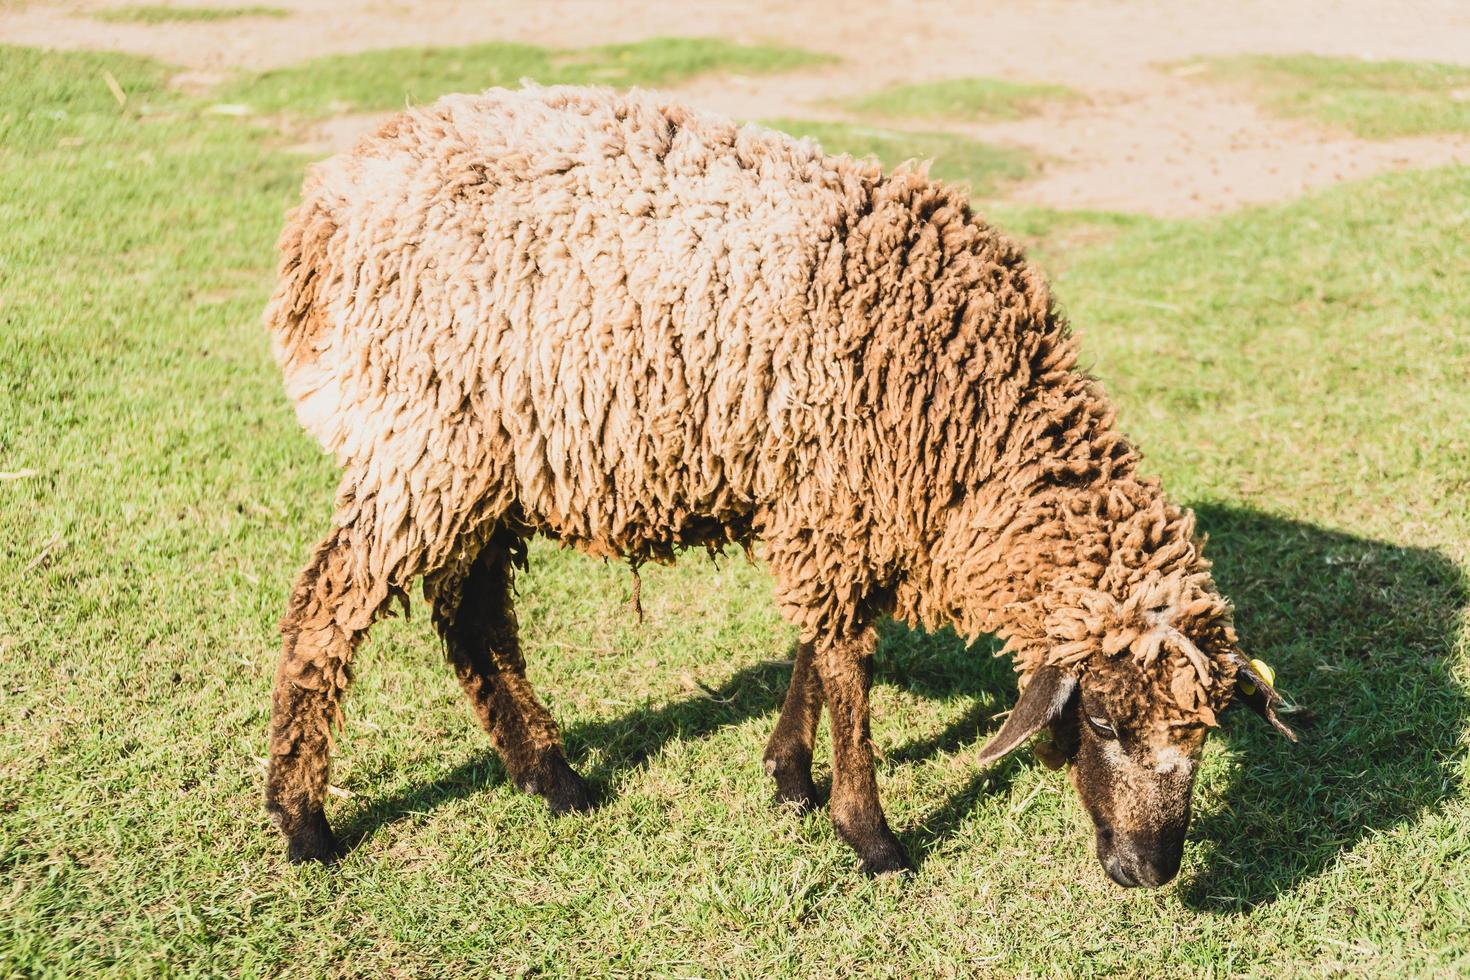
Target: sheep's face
[[1133, 770], [1131, 755], [1135, 777]]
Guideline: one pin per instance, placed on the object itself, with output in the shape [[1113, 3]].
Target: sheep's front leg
[[788, 755], [476, 616], [306, 700], [845, 665]]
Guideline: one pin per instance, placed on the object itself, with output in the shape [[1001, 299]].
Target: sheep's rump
[[597, 308]]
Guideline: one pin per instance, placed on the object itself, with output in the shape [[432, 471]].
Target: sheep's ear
[[1046, 694], [1252, 690]]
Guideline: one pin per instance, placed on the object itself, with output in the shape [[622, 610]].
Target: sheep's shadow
[[1360, 631], [622, 744], [938, 666]]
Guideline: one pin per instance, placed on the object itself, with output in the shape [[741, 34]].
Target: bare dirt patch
[[1144, 140]]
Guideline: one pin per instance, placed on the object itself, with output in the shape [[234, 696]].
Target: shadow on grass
[[624, 743], [1361, 631]]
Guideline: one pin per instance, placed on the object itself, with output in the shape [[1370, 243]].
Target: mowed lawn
[[1299, 374]]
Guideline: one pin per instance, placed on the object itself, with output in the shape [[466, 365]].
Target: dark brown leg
[[476, 616], [845, 665], [789, 752], [324, 623]]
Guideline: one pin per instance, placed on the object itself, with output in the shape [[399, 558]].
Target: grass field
[[967, 99], [1373, 99], [387, 79], [1300, 374], [147, 14]]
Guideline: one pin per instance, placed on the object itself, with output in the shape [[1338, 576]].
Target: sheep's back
[[597, 308]]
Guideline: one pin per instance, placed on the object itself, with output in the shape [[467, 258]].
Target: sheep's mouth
[[1114, 868]]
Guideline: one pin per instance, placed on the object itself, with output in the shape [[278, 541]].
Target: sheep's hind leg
[[788, 755], [845, 665], [475, 614], [326, 619]]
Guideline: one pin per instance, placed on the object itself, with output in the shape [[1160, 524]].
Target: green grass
[[966, 99], [150, 14], [955, 158], [386, 79], [1297, 373], [1373, 99]]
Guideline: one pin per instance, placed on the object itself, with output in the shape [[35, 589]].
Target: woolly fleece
[[637, 328]]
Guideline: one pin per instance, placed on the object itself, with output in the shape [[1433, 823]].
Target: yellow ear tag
[[1264, 671]]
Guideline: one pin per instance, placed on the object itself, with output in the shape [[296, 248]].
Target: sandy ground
[[1147, 138]]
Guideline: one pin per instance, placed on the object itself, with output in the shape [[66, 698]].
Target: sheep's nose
[[1157, 868], [1133, 863]]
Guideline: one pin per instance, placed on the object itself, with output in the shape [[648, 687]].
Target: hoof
[[879, 850], [559, 785], [795, 788], [889, 859], [312, 841]]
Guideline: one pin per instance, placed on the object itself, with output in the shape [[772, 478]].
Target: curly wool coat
[[636, 328]]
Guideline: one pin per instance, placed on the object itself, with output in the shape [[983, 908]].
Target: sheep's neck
[[1060, 520], [1009, 493]]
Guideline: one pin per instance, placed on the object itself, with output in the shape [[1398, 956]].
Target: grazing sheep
[[636, 329]]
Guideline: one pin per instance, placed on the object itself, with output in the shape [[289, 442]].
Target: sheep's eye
[[1102, 726]]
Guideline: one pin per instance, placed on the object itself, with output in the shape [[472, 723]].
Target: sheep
[[634, 328]]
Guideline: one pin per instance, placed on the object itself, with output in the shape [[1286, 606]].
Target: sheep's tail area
[[303, 333]]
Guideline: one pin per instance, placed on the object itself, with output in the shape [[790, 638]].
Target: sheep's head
[[1128, 701]]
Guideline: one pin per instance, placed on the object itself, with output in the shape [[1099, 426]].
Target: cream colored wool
[[635, 328]]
